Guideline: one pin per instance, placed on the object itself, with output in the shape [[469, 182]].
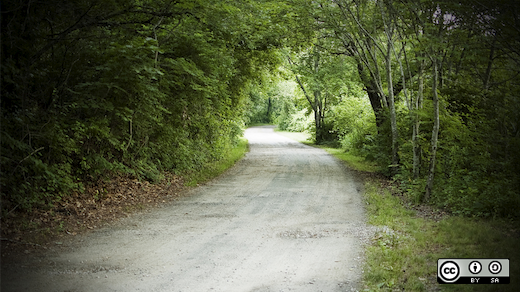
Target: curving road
[[287, 217]]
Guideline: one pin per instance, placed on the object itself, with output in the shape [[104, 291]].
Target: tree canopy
[[442, 81], [428, 89], [97, 87]]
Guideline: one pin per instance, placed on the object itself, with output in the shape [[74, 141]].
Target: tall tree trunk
[[391, 106], [317, 116], [373, 96], [416, 124], [389, 31], [435, 134], [268, 114]]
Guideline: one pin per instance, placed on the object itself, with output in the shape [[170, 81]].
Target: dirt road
[[287, 217]]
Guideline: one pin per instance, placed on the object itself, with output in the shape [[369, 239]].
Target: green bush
[[124, 92], [353, 120], [298, 121]]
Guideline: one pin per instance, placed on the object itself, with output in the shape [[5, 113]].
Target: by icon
[[495, 267], [475, 267]]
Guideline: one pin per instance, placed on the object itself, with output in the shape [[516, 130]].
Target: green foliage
[[295, 114], [476, 169], [475, 182], [320, 78], [269, 100], [141, 87], [298, 121], [472, 178], [215, 168], [354, 121]]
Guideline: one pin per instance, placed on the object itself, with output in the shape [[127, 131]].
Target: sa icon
[[495, 267], [449, 271]]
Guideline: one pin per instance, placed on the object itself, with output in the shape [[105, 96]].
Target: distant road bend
[[287, 217]]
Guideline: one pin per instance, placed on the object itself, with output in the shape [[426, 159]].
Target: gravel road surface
[[287, 217]]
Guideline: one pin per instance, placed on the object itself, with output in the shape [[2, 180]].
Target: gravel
[[287, 217]]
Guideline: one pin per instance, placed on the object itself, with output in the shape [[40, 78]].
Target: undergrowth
[[404, 255], [215, 168], [106, 201], [404, 252]]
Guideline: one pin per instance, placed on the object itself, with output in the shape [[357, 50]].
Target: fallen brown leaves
[[102, 202]]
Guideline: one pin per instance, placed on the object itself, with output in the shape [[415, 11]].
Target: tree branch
[[302, 87]]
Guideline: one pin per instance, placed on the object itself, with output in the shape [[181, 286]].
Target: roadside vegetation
[[102, 98], [92, 90], [413, 236], [404, 255], [215, 168], [106, 201]]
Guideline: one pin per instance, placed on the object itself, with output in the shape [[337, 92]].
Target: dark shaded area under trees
[[92, 89]]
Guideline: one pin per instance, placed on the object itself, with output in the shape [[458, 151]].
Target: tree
[[320, 77], [367, 33], [95, 89], [453, 68]]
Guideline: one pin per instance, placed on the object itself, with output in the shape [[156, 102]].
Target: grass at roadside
[[213, 169], [355, 162], [403, 255]]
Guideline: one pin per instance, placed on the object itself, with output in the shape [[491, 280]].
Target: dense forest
[[96, 88], [429, 90]]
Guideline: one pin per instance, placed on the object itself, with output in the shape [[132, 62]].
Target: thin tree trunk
[[268, 114], [317, 116], [313, 103], [155, 37], [416, 124], [487, 76], [391, 105], [435, 134], [304, 91]]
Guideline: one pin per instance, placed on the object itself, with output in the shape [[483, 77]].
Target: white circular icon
[[449, 271], [475, 267], [495, 267]]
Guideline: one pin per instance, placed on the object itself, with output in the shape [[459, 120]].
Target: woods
[[437, 126], [428, 90], [92, 89]]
